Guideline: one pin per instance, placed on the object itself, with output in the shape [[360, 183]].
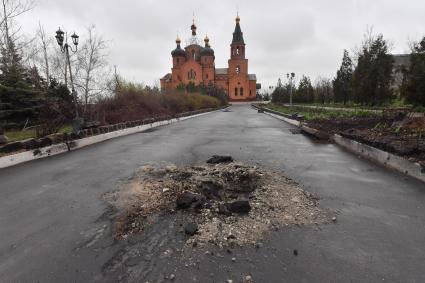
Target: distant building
[[195, 64]]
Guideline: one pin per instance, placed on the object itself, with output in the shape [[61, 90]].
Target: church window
[[241, 91], [177, 60], [237, 50], [238, 69], [191, 75], [250, 92], [236, 91], [206, 76], [193, 54]]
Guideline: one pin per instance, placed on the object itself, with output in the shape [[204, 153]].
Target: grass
[[396, 103], [20, 135], [31, 133], [316, 113]]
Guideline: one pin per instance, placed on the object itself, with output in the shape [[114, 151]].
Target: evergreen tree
[[277, 94], [34, 79], [13, 73], [413, 87], [342, 81], [372, 77], [281, 92], [305, 91]]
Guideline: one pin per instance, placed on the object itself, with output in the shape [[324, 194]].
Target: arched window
[[241, 91], [191, 75], [236, 91], [238, 69], [193, 54], [237, 50], [177, 60]]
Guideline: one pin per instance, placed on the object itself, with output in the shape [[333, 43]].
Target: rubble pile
[[224, 203]]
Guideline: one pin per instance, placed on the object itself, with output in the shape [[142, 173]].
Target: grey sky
[[306, 37]]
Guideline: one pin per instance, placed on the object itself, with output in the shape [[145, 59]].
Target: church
[[196, 64]]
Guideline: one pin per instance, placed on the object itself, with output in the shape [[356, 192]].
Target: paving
[[55, 226]]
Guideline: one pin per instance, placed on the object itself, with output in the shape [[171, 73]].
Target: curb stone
[[384, 158]]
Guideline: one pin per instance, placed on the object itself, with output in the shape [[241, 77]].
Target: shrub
[[132, 104]]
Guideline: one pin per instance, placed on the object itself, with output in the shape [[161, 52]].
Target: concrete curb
[[278, 115], [379, 156], [14, 159], [287, 120], [387, 159], [317, 133]]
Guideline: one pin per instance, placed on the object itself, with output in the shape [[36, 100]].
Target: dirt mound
[[224, 204], [416, 123], [402, 134]]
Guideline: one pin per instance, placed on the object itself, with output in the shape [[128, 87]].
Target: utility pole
[[290, 77]]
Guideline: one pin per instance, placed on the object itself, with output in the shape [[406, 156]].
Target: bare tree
[[45, 44], [92, 66], [323, 90], [10, 10]]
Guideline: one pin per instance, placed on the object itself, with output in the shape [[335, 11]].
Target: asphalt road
[[55, 227]]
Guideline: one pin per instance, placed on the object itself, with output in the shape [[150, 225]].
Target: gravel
[[226, 204]]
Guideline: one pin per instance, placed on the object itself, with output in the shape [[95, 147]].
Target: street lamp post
[[271, 89], [290, 77], [65, 48]]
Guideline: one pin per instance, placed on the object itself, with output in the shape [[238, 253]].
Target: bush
[[131, 104], [19, 107]]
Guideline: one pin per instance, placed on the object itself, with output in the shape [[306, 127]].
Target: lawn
[[31, 133], [317, 113]]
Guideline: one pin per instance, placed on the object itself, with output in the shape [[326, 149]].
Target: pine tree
[[413, 87], [13, 73], [305, 91], [342, 81], [372, 77]]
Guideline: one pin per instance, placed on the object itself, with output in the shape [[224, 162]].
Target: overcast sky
[[305, 37]]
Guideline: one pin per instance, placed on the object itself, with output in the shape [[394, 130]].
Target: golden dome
[[238, 19], [206, 39], [178, 40]]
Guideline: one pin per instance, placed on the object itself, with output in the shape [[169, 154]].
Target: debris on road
[[191, 228], [225, 204], [215, 159]]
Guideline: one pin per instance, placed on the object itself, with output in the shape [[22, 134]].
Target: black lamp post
[[65, 48]]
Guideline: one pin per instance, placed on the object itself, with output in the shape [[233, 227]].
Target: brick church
[[195, 63]]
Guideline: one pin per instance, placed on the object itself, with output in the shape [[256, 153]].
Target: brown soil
[[275, 202], [404, 136]]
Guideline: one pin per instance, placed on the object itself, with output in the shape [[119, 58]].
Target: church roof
[[207, 51], [221, 71], [166, 77], [238, 35], [252, 77], [178, 52]]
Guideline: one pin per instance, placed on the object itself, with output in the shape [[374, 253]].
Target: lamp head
[[59, 37], [75, 37]]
